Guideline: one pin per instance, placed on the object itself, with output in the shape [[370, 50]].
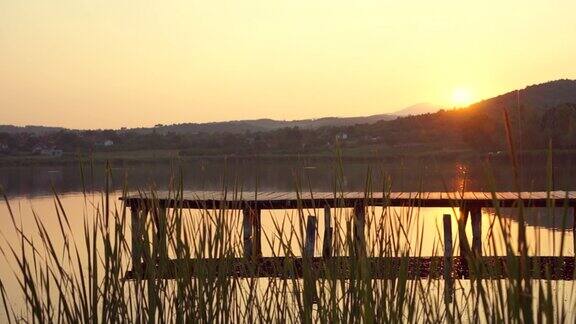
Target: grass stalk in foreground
[[71, 275]]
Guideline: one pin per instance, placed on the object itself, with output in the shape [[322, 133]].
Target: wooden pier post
[[257, 221], [310, 294], [252, 226], [162, 234], [247, 232], [327, 242], [462, 237], [476, 214], [359, 224], [310, 237], [448, 281]]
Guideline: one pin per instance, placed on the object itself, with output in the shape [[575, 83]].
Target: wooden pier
[[469, 264]]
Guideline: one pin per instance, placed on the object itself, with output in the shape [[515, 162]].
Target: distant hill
[[234, 126], [540, 96], [11, 129], [537, 114], [240, 126], [255, 125], [417, 109]]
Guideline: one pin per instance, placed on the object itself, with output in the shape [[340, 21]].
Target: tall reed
[[71, 276]]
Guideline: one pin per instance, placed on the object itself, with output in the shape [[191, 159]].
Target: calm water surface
[[426, 174]]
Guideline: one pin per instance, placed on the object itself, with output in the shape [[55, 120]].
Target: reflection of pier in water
[[556, 218], [205, 173]]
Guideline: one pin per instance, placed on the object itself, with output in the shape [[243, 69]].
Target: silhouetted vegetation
[[479, 128]]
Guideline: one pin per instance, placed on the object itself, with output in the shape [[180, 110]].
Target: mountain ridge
[[542, 96]]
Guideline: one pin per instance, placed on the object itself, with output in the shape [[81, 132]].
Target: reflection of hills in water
[[541, 217], [414, 174]]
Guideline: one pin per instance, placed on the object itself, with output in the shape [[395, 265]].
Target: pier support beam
[[462, 237], [448, 280], [138, 214], [160, 240], [310, 237], [359, 224], [310, 294], [327, 242], [252, 226], [476, 214]]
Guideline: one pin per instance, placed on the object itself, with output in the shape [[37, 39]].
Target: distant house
[[38, 149], [342, 136], [108, 143], [3, 147], [52, 152]]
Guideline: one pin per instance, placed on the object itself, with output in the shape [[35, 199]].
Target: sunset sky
[[114, 63]]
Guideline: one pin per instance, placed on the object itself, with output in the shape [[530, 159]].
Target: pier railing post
[[136, 236], [462, 237], [257, 221], [476, 214], [162, 234], [252, 227], [308, 273], [327, 242], [448, 281], [359, 224], [140, 240], [247, 232], [310, 237]]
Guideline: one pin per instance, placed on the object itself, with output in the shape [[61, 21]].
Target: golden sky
[[114, 63]]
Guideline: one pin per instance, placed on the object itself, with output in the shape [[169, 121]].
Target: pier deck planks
[[291, 200]]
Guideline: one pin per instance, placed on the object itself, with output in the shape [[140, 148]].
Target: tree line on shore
[[472, 128]]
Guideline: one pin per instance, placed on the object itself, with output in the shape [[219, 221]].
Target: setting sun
[[461, 97]]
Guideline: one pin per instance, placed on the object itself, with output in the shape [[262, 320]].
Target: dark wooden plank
[[464, 212], [448, 280], [328, 230], [359, 228], [310, 293], [310, 237], [476, 215], [162, 232], [248, 232], [289, 200]]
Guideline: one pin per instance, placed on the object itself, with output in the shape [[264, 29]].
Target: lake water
[[30, 188], [29, 192], [424, 174]]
